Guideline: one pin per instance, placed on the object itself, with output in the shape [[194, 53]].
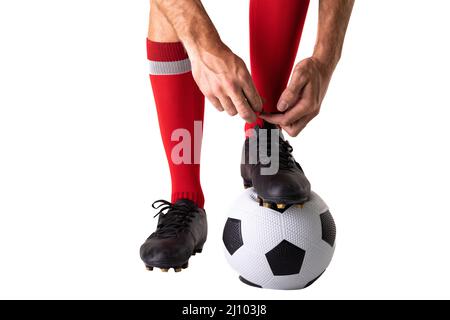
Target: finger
[[228, 105], [243, 108], [291, 116], [254, 99], [302, 108], [274, 118], [216, 103], [292, 93], [294, 129]]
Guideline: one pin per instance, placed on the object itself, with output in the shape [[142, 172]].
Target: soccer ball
[[275, 248]]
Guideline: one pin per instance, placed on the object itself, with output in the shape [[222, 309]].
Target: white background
[[81, 158]]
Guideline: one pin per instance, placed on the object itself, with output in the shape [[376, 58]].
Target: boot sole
[[279, 203], [165, 266]]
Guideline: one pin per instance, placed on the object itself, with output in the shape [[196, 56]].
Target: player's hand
[[301, 100], [225, 81]]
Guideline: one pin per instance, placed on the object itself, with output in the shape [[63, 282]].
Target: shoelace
[[285, 153], [175, 218]]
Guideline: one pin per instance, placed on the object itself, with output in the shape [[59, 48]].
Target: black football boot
[[277, 189], [181, 232]]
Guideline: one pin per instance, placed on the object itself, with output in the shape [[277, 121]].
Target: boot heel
[[247, 184], [198, 250]]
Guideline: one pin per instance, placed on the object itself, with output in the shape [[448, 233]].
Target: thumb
[[291, 94]]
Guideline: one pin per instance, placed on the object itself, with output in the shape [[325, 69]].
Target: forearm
[[192, 25], [334, 16]]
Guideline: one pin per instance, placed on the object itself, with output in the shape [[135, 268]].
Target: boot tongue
[[269, 127], [186, 203], [266, 125], [281, 134]]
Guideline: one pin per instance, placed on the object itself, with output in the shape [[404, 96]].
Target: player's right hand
[[225, 81]]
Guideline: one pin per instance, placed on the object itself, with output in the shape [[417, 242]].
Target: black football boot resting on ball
[[275, 188], [181, 232]]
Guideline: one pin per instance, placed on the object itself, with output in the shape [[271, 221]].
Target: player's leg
[[275, 30], [180, 106]]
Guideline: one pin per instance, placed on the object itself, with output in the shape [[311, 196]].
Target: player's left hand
[[301, 100]]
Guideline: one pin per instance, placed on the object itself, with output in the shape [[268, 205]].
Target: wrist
[[325, 66], [325, 60], [200, 40], [202, 50]]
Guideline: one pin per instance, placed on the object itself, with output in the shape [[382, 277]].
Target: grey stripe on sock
[[169, 68]]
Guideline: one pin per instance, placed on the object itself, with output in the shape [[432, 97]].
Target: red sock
[[179, 103], [275, 30]]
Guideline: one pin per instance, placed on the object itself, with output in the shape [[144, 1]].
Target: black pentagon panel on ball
[[285, 259], [249, 282], [232, 235], [328, 228], [313, 280]]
